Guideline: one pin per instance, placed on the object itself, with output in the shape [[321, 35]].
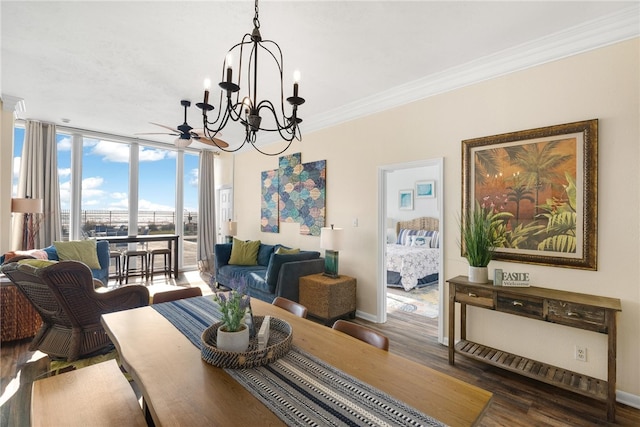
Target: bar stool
[[166, 259], [141, 270], [116, 256]]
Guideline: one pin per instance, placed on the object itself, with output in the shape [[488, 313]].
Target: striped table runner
[[300, 388]]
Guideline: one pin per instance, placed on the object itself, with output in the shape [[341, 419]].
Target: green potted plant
[[481, 232], [233, 333]]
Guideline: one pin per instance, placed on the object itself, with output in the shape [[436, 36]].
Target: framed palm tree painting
[[545, 181]]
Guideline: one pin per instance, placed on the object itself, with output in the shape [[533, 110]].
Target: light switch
[[355, 222]]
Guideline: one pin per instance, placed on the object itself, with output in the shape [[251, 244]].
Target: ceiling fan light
[[182, 142]]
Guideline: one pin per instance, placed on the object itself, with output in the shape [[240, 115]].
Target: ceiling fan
[[186, 133]]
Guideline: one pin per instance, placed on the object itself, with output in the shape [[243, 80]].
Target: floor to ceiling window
[[190, 217], [105, 171]]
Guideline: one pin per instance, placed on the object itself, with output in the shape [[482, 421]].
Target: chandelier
[[247, 109]]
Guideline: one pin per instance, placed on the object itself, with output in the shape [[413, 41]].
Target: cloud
[[16, 166], [64, 144], [145, 205], [63, 172], [111, 151], [117, 195], [193, 177], [152, 154]]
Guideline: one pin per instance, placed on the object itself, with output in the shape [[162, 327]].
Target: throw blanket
[[300, 388]]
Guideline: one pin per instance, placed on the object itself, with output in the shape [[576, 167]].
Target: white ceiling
[[116, 66]]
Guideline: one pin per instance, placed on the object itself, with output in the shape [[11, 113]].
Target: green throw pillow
[[37, 263], [244, 253], [79, 250], [285, 251]]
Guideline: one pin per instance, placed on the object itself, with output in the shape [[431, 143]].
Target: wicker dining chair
[[64, 295], [363, 333]]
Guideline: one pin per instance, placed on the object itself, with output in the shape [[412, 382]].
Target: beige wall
[[602, 84], [6, 165]]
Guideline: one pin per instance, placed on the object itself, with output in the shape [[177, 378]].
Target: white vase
[[236, 342], [478, 274]]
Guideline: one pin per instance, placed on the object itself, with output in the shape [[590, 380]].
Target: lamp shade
[[26, 205], [229, 228], [331, 238]]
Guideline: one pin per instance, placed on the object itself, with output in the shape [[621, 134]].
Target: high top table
[[173, 243], [179, 388]]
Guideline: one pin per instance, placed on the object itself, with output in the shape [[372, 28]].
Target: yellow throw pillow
[[244, 253], [79, 250], [285, 251], [37, 263]]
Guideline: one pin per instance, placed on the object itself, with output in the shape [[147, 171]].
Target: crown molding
[[13, 103], [601, 32]]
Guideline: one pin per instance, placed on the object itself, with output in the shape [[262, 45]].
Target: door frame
[[383, 171]]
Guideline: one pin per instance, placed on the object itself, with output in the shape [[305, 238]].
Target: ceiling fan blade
[[207, 141], [166, 127], [157, 133]]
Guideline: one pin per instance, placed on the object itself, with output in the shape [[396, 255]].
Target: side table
[[328, 299], [18, 317]]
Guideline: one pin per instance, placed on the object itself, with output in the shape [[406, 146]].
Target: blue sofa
[[274, 275], [102, 247]]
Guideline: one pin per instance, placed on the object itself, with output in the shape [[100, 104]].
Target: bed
[[414, 259]]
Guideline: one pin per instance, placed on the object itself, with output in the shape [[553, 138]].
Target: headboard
[[421, 223]]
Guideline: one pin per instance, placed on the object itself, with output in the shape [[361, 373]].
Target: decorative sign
[[505, 278]]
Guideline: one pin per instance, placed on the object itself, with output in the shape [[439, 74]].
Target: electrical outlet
[[581, 353]]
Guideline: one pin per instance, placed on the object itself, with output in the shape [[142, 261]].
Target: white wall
[[405, 179], [602, 84]]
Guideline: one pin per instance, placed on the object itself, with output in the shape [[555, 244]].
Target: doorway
[[400, 199]]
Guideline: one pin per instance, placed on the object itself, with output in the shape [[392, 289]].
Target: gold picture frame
[[546, 179]]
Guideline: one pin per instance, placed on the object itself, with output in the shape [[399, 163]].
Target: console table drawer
[[474, 296], [577, 315], [522, 306]]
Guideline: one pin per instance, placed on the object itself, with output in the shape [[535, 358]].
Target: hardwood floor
[[517, 401]]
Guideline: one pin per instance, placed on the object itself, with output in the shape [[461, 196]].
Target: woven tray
[[280, 337]]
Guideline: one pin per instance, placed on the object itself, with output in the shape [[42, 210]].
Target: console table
[[582, 311]]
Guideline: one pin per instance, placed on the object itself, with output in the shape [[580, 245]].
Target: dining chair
[[363, 333], [291, 306], [179, 293]]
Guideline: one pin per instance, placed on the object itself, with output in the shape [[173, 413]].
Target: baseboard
[[628, 399], [367, 316]]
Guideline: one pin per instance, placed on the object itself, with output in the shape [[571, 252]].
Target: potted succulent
[[481, 232], [233, 333]]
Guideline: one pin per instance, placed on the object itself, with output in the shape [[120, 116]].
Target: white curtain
[[39, 180], [206, 208]]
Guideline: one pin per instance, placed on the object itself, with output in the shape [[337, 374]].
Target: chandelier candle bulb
[[229, 68]]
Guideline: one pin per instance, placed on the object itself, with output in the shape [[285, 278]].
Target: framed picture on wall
[[405, 200], [545, 181], [425, 189]]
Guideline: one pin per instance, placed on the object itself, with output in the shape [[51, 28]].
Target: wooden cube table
[[328, 299]]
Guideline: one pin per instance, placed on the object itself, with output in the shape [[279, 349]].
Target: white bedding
[[412, 263]]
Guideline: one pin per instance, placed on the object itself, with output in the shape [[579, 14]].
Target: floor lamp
[[27, 206]]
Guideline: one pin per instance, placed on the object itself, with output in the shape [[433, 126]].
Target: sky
[[105, 175]]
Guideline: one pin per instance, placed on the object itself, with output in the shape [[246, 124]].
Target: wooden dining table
[[179, 388]]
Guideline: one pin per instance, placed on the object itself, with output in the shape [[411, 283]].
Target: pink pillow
[[36, 253]]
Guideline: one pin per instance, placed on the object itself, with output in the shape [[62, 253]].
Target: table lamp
[[229, 229], [28, 207], [331, 241]]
